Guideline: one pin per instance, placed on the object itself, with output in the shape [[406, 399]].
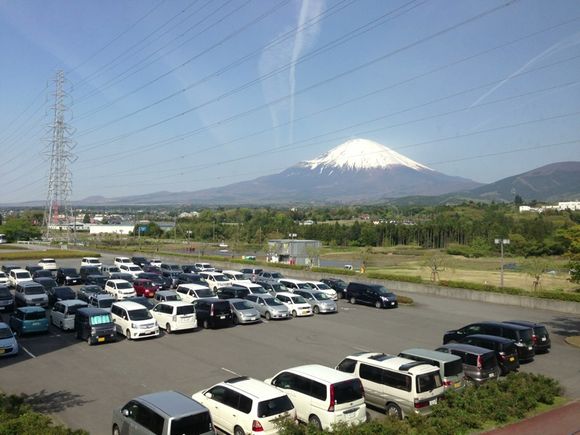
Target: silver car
[[269, 306], [319, 301], [244, 312], [8, 344]]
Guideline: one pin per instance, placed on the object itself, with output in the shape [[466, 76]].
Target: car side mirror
[[126, 412], [208, 395]]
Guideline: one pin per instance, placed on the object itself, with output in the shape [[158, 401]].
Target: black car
[[140, 261], [56, 294], [47, 283], [122, 275], [521, 335], [189, 268], [6, 299], [6, 268], [151, 269], [85, 271], [541, 337], [171, 275], [146, 302], [337, 285], [189, 278], [68, 276], [33, 268], [156, 279], [86, 292], [212, 313], [272, 287], [504, 348], [42, 273], [371, 294], [232, 293], [96, 279]]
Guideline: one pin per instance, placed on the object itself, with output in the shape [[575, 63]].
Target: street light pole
[[501, 243]]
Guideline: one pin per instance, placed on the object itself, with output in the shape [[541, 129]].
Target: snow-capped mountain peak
[[359, 154]]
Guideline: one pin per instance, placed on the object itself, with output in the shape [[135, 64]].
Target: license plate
[[2, 350], [433, 402], [530, 348], [101, 339], [512, 359], [543, 338], [492, 375], [457, 384], [222, 317], [35, 323], [392, 303]]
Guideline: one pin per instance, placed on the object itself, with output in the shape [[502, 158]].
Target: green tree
[[148, 230], [20, 229], [86, 219], [518, 200]]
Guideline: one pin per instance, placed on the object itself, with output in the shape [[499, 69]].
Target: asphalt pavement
[[81, 385]]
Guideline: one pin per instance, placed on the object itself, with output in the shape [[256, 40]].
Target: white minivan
[[63, 313], [323, 396], [133, 320], [174, 316]]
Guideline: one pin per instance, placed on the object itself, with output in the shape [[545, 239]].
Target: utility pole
[[501, 243], [58, 210]]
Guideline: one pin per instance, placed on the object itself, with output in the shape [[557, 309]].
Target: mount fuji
[[358, 170]]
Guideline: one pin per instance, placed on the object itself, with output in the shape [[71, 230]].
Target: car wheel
[[315, 421], [128, 334], [352, 300], [235, 320], [89, 341], [378, 304], [393, 410], [168, 328], [205, 324], [116, 430], [316, 309], [268, 316], [294, 313], [239, 431]]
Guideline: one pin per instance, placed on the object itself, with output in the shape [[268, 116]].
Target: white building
[[562, 206], [123, 229]]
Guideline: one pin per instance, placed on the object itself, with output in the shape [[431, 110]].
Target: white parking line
[[230, 371], [27, 351]]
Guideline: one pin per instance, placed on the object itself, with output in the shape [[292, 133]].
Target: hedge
[[476, 407], [391, 277], [49, 253]]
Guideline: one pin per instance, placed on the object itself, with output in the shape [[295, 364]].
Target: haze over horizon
[[188, 95]]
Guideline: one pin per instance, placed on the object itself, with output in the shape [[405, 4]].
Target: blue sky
[[184, 95]]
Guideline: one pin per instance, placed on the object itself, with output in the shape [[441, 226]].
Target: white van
[[63, 313], [122, 260], [133, 320], [174, 316], [192, 292], [91, 261], [323, 396], [398, 385]]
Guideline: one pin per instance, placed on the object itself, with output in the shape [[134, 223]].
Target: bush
[[405, 300], [392, 277]]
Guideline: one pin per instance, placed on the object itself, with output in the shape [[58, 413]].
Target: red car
[[145, 287]]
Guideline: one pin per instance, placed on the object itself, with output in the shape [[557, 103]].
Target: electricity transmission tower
[[58, 213]]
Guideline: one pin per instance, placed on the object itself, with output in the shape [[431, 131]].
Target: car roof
[[118, 281], [70, 302], [431, 354], [322, 373], [91, 258], [129, 305], [286, 294], [314, 282], [527, 323], [193, 286], [92, 311], [43, 278], [29, 284], [47, 259], [210, 273], [503, 325], [31, 309], [175, 303], [467, 348], [491, 338], [393, 362], [233, 272], [295, 281], [253, 387], [166, 292], [172, 403], [99, 296], [19, 270]]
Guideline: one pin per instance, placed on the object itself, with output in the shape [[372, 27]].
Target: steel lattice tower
[[58, 209]]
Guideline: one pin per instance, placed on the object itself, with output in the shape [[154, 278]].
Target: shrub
[[391, 277], [405, 300]]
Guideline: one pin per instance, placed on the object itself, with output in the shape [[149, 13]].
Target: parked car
[[166, 296], [56, 294], [212, 313], [251, 272], [215, 280], [191, 292], [3, 279], [47, 283], [148, 303], [323, 396], [6, 268], [8, 343], [131, 269], [91, 261], [294, 284], [272, 287], [319, 301], [371, 294], [63, 313], [33, 268], [103, 301], [189, 268], [269, 307], [140, 261], [108, 270], [521, 335], [244, 312], [399, 386], [85, 292], [504, 348], [27, 320], [174, 316], [48, 264], [168, 412], [204, 267], [271, 277], [244, 405], [42, 274], [155, 262], [479, 364], [236, 277], [232, 292], [124, 276], [120, 289], [145, 287], [337, 285], [540, 338], [450, 366], [320, 286], [99, 280], [189, 278], [121, 260], [17, 276], [171, 277], [296, 304], [30, 294], [170, 267], [68, 276], [6, 299], [85, 271], [134, 320], [254, 289], [95, 325]]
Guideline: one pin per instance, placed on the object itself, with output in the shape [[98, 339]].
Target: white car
[[297, 305], [324, 288], [204, 267], [215, 280], [131, 269], [120, 289], [294, 284], [91, 261], [48, 264], [244, 405], [155, 262], [17, 276], [174, 316], [63, 313], [122, 260], [3, 278], [236, 277], [192, 292], [133, 320], [255, 289]]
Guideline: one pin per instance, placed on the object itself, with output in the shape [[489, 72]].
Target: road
[[81, 384]]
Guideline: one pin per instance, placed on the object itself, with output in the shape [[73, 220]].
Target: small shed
[[293, 251]]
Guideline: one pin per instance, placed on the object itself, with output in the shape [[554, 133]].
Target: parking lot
[[83, 384]]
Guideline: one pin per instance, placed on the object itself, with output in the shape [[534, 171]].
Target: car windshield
[[242, 305], [272, 302], [383, 291], [321, 296], [139, 314], [192, 424], [5, 333], [34, 290], [100, 319], [124, 285], [2, 275], [172, 297], [277, 275], [274, 406], [113, 269], [221, 278], [69, 271], [22, 275], [92, 289], [48, 260], [298, 299], [105, 302], [204, 293], [279, 287], [175, 267], [90, 270], [340, 284], [258, 290], [526, 335], [134, 268], [348, 391], [428, 381], [74, 308], [303, 285], [65, 293], [92, 261], [323, 286], [35, 315], [4, 292], [185, 309]]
